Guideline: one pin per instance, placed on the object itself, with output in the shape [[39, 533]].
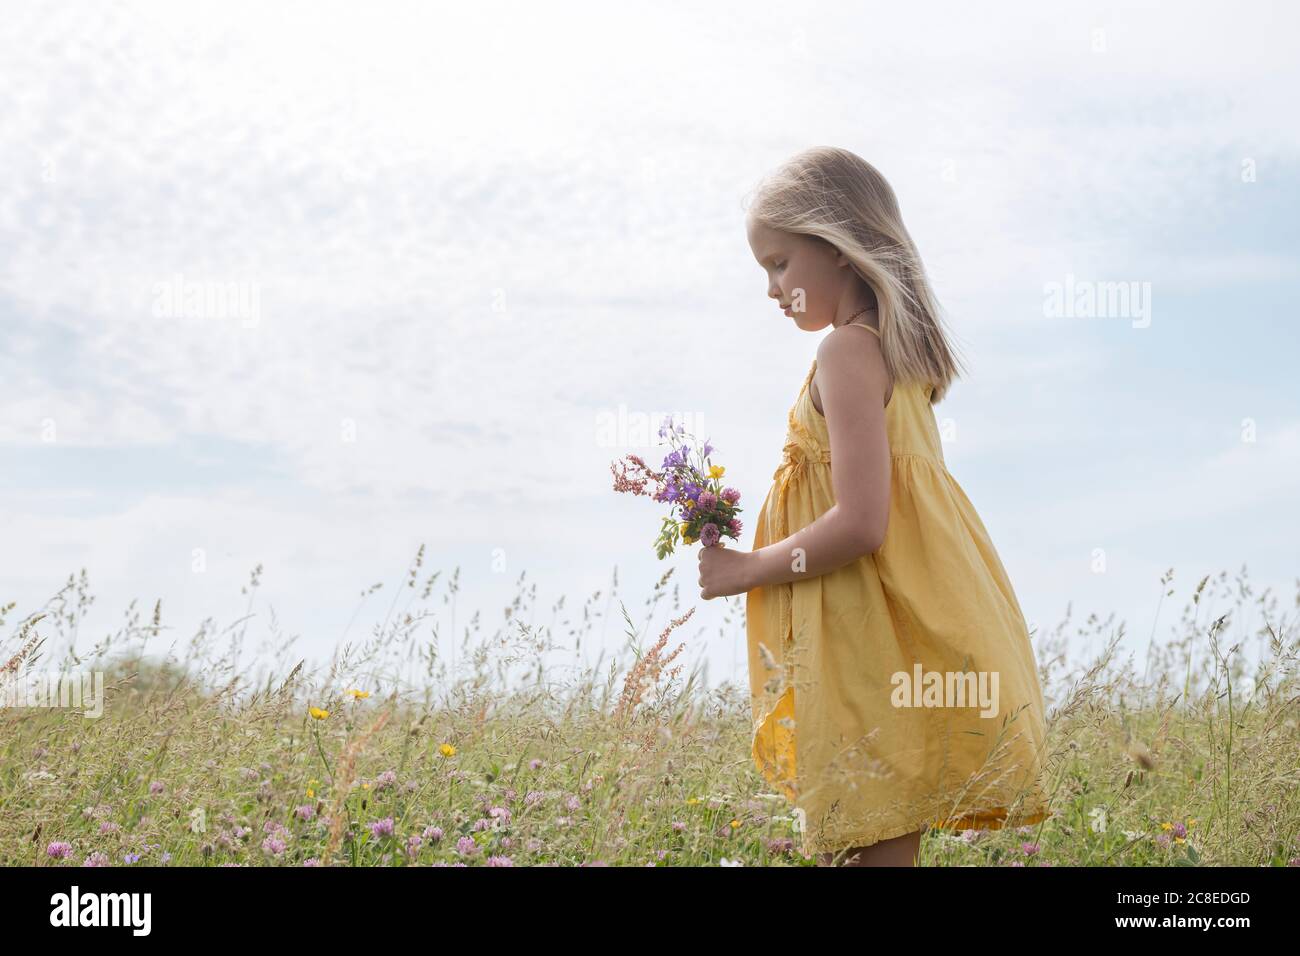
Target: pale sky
[[468, 235]]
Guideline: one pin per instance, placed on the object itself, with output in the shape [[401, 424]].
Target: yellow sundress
[[933, 600]]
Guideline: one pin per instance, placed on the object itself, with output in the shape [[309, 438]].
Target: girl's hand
[[723, 572]]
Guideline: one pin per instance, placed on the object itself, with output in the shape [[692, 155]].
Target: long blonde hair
[[834, 195]]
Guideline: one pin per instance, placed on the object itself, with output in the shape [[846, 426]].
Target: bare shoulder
[[848, 342], [851, 360]]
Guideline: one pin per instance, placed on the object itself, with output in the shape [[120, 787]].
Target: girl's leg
[[896, 851]]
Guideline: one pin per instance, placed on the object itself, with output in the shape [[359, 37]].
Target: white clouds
[[475, 229]]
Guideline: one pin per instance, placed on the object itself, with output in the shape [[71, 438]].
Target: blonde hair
[[834, 195]]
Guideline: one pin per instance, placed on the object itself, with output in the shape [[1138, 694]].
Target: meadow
[[424, 744]]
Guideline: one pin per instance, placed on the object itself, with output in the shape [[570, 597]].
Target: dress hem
[[989, 820]]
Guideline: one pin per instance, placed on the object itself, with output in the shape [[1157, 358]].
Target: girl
[[892, 680]]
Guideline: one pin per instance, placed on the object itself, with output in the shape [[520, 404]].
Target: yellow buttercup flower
[[359, 694], [311, 792], [686, 527], [317, 713], [716, 471], [735, 824], [691, 801], [447, 750], [1166, 826]]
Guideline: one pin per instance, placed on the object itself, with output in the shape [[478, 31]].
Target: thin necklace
[[858, 313]]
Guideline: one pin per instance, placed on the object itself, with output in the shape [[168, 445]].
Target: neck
[[858, 313]]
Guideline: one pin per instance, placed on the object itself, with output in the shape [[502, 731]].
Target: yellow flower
[[1166, 826], [359, 694], [317, 713], [692, 801], [311, 792], [365, 784], [1191, 823], [735, 824], [686, 527], [447, 750], [716, 471]]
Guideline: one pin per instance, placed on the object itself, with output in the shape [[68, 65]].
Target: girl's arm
[[853, 384]]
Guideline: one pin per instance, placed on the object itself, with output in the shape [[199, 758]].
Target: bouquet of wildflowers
[[701, 509]]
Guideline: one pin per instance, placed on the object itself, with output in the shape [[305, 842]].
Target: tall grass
[[422, 745]]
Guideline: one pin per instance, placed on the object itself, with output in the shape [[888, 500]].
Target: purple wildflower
[[466, 846], [273, 845], [96, 859], [709, 535], [382, 828], [59, 850]]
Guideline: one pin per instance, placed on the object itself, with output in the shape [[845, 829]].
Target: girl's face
[[808, 277]]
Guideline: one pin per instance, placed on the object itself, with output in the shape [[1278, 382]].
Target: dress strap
[[859, 325]]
